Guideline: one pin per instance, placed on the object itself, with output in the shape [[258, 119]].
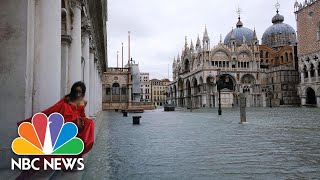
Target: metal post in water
[[243, 104]]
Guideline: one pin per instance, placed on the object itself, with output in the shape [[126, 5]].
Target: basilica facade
[[267, 73]]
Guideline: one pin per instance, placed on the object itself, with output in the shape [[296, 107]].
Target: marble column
[[100, 91], [47, 62], [317, 74], [91, 82], [303, 101], [302, 77], [309, 75], [318, 101], [65, 45], [75, 49], [86, 63], [95, 87]]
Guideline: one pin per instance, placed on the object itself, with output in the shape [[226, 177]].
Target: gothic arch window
[[281, 59], [108, 90], [246, 89], [115, 89], [312, 71], [267, 54], [286, 57], [291, 57], [305, 71], [187, 66], [124, 90]]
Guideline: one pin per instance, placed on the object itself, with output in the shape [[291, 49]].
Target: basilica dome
[[240, 34], [279, 34]]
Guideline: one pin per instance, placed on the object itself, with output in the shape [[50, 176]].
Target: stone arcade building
[[46, 46], [308, 25], [265, 73]]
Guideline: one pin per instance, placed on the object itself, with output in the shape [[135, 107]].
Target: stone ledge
[[78, 174]]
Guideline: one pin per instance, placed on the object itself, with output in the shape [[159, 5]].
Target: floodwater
[[276, 143]]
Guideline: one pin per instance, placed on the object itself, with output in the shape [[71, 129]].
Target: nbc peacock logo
[[47, 136]]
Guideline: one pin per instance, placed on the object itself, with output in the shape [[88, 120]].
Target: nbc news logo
[[47, 136]]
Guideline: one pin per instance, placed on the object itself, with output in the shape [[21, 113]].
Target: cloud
[[158, 27]]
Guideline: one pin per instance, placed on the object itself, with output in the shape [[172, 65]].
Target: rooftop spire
[[277, 18], [198, 41], [191, 46], [205, 34], [254, 34], [277, 5], [239, 23]]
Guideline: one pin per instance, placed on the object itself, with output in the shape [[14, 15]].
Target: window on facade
[[286, 57], [312, 71], [281, 59], [291, 57], [123, 90], [261, 54], [305, 71], [267, 54], [115, 89], [108, 90]]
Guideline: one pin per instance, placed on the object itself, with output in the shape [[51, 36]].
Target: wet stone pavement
[[277, 143]]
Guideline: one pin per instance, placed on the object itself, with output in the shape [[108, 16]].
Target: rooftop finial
[[277, 6], [239, 11], [239, 24]]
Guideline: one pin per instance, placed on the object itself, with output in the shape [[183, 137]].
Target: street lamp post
[[219, 84], [270, 95]]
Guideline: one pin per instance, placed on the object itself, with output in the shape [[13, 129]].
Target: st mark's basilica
[[266, 72]]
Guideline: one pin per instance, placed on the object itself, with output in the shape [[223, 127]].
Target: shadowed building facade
[[308, 26], [46, 46]]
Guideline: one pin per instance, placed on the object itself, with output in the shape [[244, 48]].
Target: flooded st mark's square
[[276, 143]]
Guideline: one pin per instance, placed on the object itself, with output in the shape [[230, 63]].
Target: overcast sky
[[158, 27]]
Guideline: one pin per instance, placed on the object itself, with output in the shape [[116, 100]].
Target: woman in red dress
[[72, 108]]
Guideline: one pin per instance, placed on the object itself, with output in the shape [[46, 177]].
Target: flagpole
[[129, 46], [122, 55], [117, 59]]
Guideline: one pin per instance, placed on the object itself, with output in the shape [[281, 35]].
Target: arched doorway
[[210, 88], [174, 95], [189, 95], [248, 82], [226, 83], [180, 93], [195, 95], [311, 97]]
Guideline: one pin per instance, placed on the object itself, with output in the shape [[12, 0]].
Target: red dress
[[71, 113]]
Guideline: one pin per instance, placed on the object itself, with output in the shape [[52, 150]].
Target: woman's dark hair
[[73, 94]]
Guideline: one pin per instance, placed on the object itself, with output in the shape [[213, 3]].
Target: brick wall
[[308, 21]]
